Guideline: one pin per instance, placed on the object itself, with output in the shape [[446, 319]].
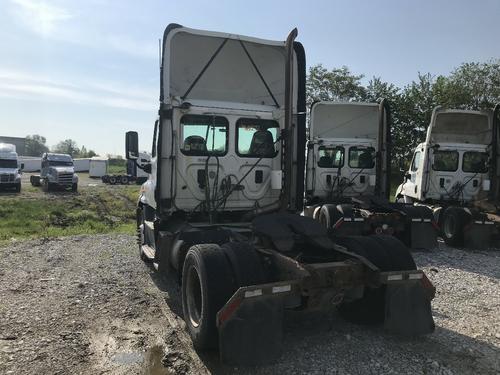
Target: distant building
[[20, 143]]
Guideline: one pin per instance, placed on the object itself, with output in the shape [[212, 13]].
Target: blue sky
[[88, 70]]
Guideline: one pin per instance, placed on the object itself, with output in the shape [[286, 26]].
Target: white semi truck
[[57, 173], [455, 173], [221, 207], [10, 170], [348, 175]]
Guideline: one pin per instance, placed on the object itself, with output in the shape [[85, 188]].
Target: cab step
[[148, 251]]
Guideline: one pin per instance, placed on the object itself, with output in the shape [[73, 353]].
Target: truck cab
[[342, 150], [348, 175], [57, 172], [10, 170], [452, 171], [221, 208]]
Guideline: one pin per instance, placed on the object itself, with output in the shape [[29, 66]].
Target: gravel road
[[88, 305]]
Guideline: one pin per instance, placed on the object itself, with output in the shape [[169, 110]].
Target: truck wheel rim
[[450, 226], [194, 297]]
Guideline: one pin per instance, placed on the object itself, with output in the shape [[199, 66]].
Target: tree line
[[470, 86], [36, 145]]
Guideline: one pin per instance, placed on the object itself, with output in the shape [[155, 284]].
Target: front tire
[[18, 188], [74, 188], [206, 287]]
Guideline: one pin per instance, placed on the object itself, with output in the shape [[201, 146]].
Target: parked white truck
[[57, 173], [455, 173], [348, 175], [10, 170], [221, 208]]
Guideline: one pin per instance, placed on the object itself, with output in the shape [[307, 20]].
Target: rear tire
[[454, 220], [245, 263], [124, 180], [206, 287], [112, 180], [388, 254], [328, 215]]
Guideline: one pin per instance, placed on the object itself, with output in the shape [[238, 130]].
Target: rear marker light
[[281, 289], [394, 277], [253, 293]]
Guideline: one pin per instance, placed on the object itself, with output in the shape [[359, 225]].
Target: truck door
[[413, 178], [445, 179]]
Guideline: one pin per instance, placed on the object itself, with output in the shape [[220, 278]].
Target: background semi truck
[[135, 172], [10, 170], [57, 172], [221, 208], [349, 171], [455, 173]]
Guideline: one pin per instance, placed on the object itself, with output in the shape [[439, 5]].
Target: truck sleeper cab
[[348, 175], [221, 207], [452, 171], [10, 170]]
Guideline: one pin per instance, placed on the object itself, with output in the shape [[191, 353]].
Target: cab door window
[[204, 135], [330, 157], [415, 164]]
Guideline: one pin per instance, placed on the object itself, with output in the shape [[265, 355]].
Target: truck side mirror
[[131, 145]]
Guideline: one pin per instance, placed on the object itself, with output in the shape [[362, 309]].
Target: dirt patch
[[85, 304]]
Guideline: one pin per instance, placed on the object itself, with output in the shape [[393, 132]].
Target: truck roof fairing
[[7, 147], [59, 157], [459, 126], [223, 67], [344, 120]]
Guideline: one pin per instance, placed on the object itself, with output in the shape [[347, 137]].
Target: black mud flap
[[479, 235], [254, 333], [423, 235], [408, 309]]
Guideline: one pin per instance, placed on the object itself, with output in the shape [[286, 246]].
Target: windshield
[[445, 161], [475, 162], [58, 163], [331, 157], [5, 163]]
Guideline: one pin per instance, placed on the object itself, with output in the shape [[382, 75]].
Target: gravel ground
[[87, 305]]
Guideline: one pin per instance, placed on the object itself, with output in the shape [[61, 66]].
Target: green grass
[[91, 211], [117, 166]]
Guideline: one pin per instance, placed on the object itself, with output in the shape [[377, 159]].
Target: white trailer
[[81, 164], [98, 167]]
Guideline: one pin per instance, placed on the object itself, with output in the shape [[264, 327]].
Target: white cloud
[[22, 86], [40, 16]]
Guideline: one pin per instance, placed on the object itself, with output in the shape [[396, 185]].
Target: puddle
[[128, 358], [150, 361]]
